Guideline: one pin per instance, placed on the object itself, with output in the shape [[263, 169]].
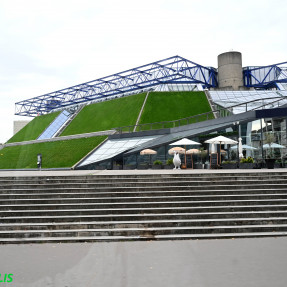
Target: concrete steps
[[142, 207]]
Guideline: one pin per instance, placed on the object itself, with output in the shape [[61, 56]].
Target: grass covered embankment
[[170, 106], [106, 115], [54, 154], [34, 128]]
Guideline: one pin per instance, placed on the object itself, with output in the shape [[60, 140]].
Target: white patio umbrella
[[178, 149], [221, 140], [193, 151], [185, 142], [273, 145], [245, 146], [240, 149], [149, 152]]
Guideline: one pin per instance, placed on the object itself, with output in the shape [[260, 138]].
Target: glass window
[[114, 147], [254, 99], [55, 126]]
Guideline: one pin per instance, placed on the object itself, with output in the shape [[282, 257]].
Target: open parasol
[[185, 142], [148, 152], [178, 149], [221, 140]]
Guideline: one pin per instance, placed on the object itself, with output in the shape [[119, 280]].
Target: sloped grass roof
[[54, 154], [34, 128], [106, 115], [169, 106]]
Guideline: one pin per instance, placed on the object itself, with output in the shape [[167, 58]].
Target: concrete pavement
[[258, 262], [204, 263], [5, 173]]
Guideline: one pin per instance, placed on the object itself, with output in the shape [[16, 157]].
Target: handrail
[[175, 123]]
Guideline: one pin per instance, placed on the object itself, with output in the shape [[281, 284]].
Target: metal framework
[[173, 70], [265, 77]]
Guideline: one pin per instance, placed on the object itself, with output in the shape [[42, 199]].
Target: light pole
[[39, 161]]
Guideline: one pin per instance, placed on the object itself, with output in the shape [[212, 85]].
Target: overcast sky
[[47, 45]]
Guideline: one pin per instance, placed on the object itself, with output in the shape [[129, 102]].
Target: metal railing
[[194, 119]]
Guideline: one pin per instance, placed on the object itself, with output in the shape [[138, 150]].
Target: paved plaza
[[203, 263], [14, 173], [256, 262]]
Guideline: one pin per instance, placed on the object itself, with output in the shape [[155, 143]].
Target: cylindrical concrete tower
[[230, 71]]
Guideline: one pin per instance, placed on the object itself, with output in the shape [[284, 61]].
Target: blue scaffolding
[[173, 70], [265, 77]]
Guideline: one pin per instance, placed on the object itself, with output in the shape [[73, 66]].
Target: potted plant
[[203, 156], [278, 163], [157, 164], [259, 163], [229, 164], [207, 165], [169, 164], [270, 159], [247, 163]]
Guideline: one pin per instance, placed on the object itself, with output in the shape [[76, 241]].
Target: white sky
[[47, 45]]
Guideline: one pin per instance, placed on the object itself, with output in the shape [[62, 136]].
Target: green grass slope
[[106, 115], [54, 154], [34, 128], [169, 106]]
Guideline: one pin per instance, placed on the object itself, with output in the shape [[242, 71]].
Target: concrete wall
[[18, 125], [230, 71]]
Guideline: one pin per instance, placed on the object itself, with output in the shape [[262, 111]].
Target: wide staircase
[[142, 207]]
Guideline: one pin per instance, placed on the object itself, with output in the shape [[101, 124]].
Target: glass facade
[[53, 128], [268, 136], [261, 138], [162, 155], [178, 87], [263, 135], [113, 148], [248, 100]]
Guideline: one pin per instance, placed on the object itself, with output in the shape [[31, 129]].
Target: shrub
[[229, 162], [157, 162], [247, 160], [169, 161]]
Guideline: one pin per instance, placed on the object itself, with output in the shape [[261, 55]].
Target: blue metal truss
[[265, 77], [173, 70]]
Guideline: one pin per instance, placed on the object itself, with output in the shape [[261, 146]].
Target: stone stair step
[[149, 186], [111, 199], [144, 231], [146, 223], [157, 189], [145, 216], [139, 238], [147, 177], [140, 210], [143, 207], [139, 204], [90, 193]]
